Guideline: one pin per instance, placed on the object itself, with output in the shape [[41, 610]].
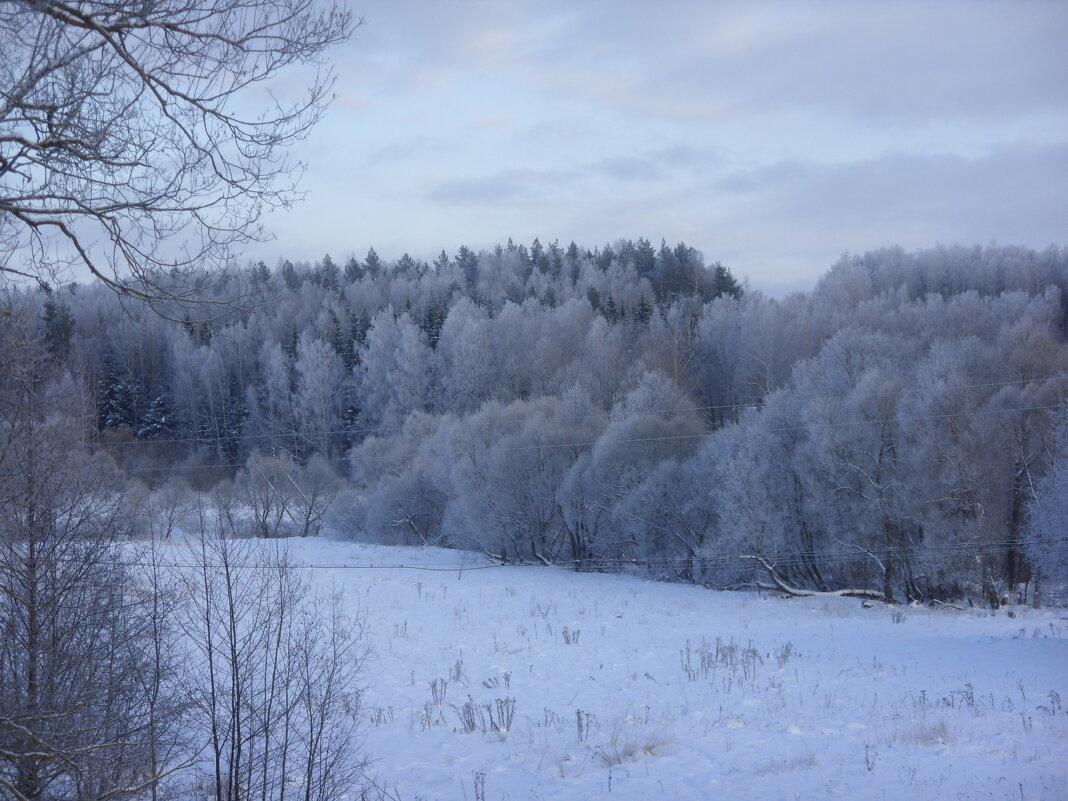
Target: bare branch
[[122, 150]]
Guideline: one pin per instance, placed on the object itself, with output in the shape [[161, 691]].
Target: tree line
[[630, 407]]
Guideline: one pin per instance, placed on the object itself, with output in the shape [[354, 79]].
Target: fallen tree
[[779, 584]]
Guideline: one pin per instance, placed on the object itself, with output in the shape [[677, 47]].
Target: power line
[[663, 438], [379, 431], [786, 559]]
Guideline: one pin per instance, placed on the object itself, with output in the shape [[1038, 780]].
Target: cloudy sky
[[771, 136]]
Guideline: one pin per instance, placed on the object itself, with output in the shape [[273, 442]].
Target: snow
[[631, 689]]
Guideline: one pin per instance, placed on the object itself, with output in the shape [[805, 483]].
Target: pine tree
[[289, 275], [328, 274], [260, 274], [235, 412], [58, 327], [611, 313], [406, 266], [724, 283], [372, 263], [159, 420], [467, 261], [645, 258], [605, 258], [353, 270], [115, 394], [433, 318], [537, 256], [442, 261]]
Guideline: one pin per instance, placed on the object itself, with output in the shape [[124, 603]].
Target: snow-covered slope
[[577, 686]]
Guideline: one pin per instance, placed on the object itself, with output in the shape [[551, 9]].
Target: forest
[[257, 519], [899, 432]]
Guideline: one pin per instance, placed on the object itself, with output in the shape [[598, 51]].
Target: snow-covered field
[[537, 683]]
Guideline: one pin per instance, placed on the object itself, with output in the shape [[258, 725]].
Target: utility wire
[[663, 438], [379, 431], [787, 559]]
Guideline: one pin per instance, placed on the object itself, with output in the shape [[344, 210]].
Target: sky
[[771, 136]]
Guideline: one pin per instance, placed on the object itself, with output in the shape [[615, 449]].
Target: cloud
[[402, 149], [660, 164], [1015, 193], [747, 74], [569, 182], [507, 186], [491, 122], [628, 168], [901, 61], [773, 136], [795, 217]]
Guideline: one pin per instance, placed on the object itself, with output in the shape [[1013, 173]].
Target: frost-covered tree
[[1047, 518], [319, 399], [315, 487], [398, 497], [653, 423], [504, 465], [466, 354], [395, 372], [273, 414]]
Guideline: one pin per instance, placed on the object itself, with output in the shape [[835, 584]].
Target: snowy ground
[[620, 688]]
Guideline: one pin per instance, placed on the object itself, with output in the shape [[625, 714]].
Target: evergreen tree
[[467, 261], [433, 318], [235, 412], [556, 260], [406, 266], [328, 274], [611, 311], [594, 297], [574, 262], [58, 327], [260, 274], [289, 275], [605, 258], [372, 263], [116, 394], [538, 258], [353, 270], [644, 258], [723, 283], [159, 420]]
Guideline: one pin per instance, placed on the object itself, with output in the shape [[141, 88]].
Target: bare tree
[[314, 490], [133, 140], [156, 514], [85, 707], [266, 485], [274, 688]]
